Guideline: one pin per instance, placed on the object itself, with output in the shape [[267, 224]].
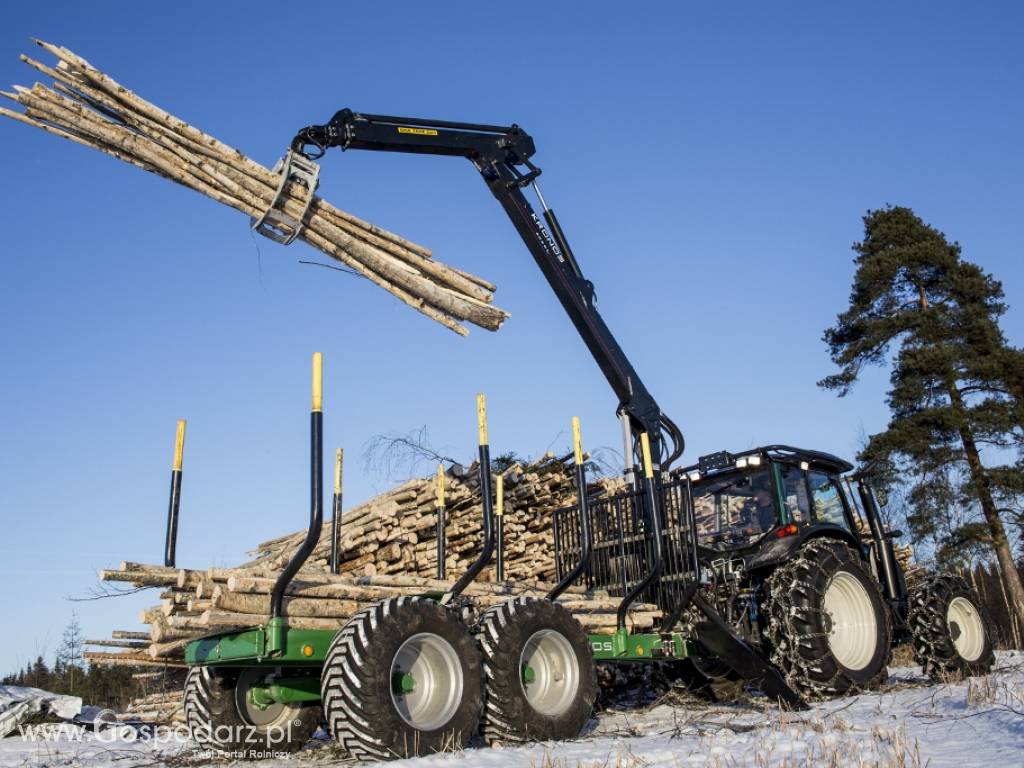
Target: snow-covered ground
[[911, 723]]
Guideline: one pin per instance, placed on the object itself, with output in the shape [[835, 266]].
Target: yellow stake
[[577, 440], [179, 446], [338, 458], [481, 417], [499, 509], [318, 382], [439, 500], [645, 446]]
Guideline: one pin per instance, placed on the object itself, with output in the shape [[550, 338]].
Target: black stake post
[[653, 517], [586, 538], [499, 529], [485, 495], [275, 626], [441, 514], [336, 514], [171, 541]]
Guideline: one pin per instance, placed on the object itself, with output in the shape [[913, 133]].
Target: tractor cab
[[744, 502]]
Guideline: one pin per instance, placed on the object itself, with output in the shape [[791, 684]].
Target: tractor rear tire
[[539, 673], [951, 635], [828, 625], [402, 679], [220, 717]]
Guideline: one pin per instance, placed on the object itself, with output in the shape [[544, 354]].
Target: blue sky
[[710, 164]]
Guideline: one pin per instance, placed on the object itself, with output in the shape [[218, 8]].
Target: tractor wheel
[[950, 633], [828, 625], [402, 679], [221, 716], [538, 670]]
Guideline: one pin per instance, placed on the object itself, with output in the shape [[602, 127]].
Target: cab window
[[794, 495], [828, 504]]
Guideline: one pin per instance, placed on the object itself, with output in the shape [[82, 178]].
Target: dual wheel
[[829, 628], [405, 677]]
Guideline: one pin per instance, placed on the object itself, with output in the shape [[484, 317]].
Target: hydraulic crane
[[501, 154]]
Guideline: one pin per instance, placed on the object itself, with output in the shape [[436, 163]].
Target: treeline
[[1007, 631], [107, 687]]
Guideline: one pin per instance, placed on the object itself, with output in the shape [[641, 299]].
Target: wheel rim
[[965, 628], [549, 672], [426, 681], [251, 714], [853, 635]]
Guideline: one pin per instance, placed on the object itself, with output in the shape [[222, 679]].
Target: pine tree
[[957, 386], [69, 664]]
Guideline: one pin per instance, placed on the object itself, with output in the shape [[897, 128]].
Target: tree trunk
[[1004, 556]]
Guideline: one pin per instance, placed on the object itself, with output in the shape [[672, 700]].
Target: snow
[[17, 703], [910, 723]]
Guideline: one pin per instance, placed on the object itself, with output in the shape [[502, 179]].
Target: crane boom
[[501, 154]]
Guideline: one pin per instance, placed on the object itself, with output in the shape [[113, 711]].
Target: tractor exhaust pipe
[[275, 627], [171, 540]]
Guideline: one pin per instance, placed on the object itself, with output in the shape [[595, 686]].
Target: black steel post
[[499, 530], [171, 540], [336, 514], [316, 483], [654, 519], [883, 545], [488, 507], [441, 514], [586, 536]]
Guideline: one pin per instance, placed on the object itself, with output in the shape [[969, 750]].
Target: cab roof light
[[754, 461], [741, 463], [804, 465], [694, 476]]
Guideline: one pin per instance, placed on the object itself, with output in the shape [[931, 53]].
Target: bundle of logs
[[88, 107], [388, 548]]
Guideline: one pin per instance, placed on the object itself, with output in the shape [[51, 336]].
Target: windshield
[[734, 511]]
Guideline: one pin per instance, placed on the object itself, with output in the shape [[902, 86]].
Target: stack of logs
[[388, 548], [88, 107]]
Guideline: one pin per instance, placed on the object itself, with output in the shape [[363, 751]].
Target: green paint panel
[[640, 647], [250, 648]]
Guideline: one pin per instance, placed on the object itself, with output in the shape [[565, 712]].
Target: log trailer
[[756, 558]]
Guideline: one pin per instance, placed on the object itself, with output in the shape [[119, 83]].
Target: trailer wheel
[[828, 625], [538, 671], [402, 679], [950, 632], [220, 715]]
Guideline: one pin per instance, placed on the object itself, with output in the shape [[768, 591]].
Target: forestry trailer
[[772, 564]]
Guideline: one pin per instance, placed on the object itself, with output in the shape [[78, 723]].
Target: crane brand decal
[[417, 131], [548, 239]]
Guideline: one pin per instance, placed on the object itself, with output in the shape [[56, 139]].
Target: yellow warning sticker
[[417, 131]]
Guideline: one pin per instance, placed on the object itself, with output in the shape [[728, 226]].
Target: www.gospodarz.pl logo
[[242, 741]]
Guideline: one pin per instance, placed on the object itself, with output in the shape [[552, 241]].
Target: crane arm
[[501, 154]]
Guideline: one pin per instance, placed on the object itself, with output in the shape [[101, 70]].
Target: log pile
[[86, 106], [389, 549]]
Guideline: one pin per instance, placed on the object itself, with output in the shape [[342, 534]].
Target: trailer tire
[[539, 638], [951, 635], [399, 642], [217, 720], [827, 624]]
